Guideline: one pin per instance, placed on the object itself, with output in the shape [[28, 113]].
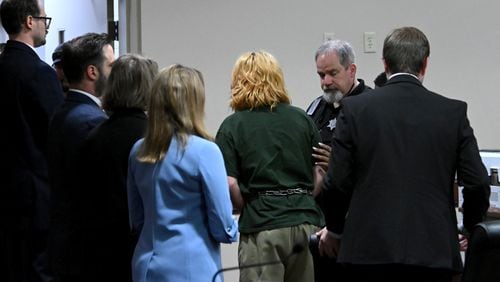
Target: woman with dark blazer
[[108, 240]]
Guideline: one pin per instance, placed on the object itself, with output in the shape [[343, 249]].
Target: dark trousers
[[395, 273], [327, 269], [69, 278], [22, 256]]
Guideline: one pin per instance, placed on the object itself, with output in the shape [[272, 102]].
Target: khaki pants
[[277, 246]]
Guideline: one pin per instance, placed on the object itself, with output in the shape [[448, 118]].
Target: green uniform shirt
[[271, 150]]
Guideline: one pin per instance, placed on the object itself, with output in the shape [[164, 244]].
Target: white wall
[[210, 35], [76, 17]]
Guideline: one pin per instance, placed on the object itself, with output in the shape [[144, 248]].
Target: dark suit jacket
[[393, 166], [108, 242], [30, 93], [68, 130]]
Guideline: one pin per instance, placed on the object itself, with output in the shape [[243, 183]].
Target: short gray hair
[[342, 48]]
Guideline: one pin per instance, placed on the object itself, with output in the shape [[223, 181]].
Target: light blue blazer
[[182, 209]]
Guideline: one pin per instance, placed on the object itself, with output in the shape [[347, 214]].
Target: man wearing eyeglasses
[[30, 93]]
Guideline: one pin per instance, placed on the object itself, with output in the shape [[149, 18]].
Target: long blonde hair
[[257, 81], [176, 110]]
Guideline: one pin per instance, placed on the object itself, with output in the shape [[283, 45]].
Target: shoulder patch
[[314, 105]]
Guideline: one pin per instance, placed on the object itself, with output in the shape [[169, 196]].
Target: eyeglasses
[[46, 19]]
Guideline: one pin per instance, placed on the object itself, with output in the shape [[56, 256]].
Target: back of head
[[257, 81], [343, 49], [380, 80], [82, 51], [129, 83], [405, 50], [13, 13], [176, 109]]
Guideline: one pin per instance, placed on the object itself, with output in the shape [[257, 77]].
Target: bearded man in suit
[[30, 93], [86, 62]]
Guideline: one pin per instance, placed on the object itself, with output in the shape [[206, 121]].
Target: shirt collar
[[402, 73], [94, 98]]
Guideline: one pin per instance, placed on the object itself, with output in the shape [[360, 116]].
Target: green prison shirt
[[271, 150]]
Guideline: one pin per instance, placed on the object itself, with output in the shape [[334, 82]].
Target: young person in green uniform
[[267, 147]]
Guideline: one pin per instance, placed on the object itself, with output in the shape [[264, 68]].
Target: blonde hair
[[176, 110], [257, 81]]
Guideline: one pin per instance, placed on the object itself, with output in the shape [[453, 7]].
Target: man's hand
[[322, 155], [235, 193], [319, 174], [328, 243], [462, 239]]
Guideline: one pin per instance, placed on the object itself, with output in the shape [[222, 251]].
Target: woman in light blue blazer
[[177, 186]]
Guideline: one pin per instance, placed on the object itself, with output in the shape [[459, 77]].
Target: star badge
[[332, 123]]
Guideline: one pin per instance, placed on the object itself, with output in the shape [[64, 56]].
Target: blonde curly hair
[[257, 81]]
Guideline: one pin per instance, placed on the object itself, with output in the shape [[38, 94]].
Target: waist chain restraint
[[285, 192]]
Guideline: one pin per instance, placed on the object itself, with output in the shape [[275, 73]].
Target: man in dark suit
[[87, 63], [30, 93], [389, 185]]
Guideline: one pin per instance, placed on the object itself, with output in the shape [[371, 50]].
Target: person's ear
[[92, 72], [353, 69], [386, 68], [424, 67], [28, 22]]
